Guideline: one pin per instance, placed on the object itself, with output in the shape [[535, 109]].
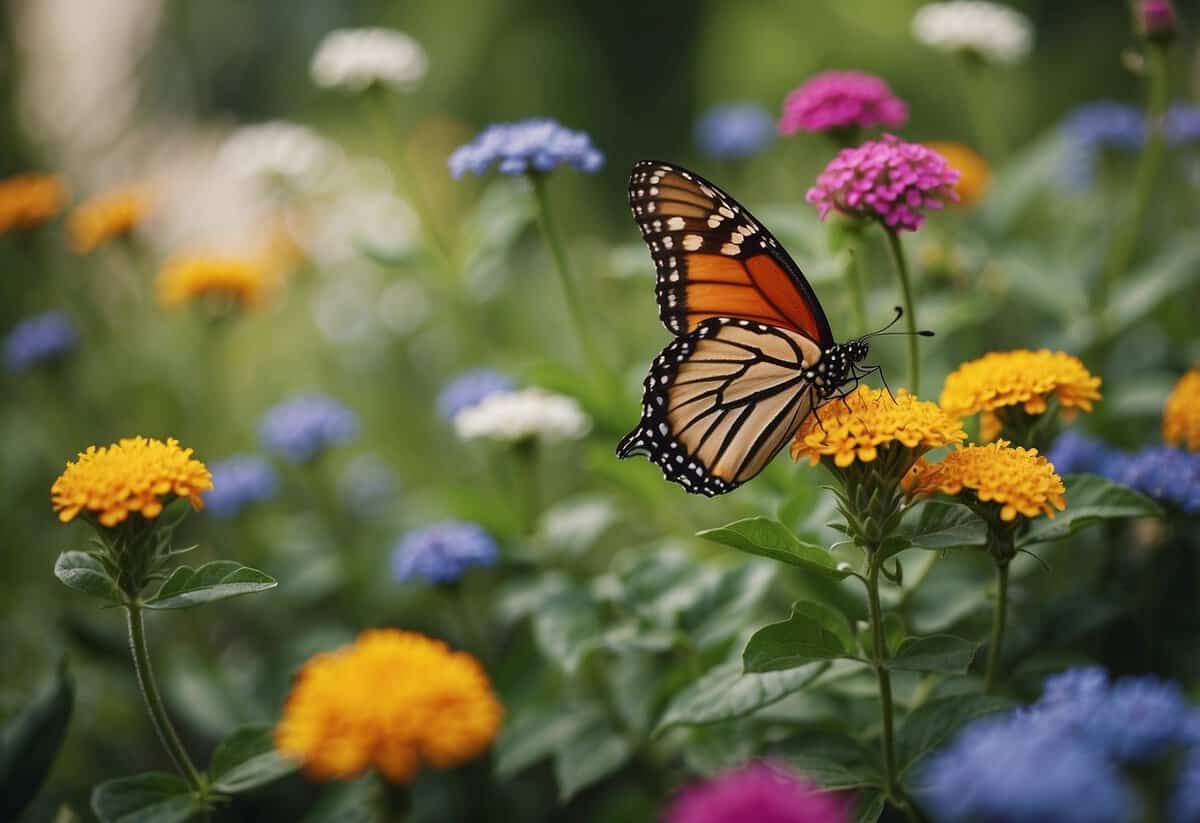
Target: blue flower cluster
[[538, 144], [239, 482], [301, 428], [1167, 474], [1182, 124], [1092, 128], [470, 389], [39, 339], [735, 130], [443, 552], [1061, 758], [368, 486]]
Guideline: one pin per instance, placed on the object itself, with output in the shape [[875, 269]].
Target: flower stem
[[896, 251], [879, 658], [563, 266], [854, 278], [1126, 232], [986, 117], [998, 618], [154, 702]]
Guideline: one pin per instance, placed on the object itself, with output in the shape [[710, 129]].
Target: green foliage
[[768, 538], [1090, 499], [154, 797], [728, 692], [84, 573], [814, 632], [218, 580], [30, 741], [246, 760]]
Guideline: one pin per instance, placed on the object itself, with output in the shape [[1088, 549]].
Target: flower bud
[[1157, 20]]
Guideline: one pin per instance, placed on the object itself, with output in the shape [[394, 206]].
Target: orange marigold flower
[[1016, 481], [854, 428], [244, 280], [29, 200], [1022, 377], [1181, 415], [393, 700], [135, 475], [105, 217], [974, 174]]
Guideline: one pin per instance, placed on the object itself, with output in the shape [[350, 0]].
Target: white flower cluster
[[521, 415], [355, 59], [278, 151], [996, 33]]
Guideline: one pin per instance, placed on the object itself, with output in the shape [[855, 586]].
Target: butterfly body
[[753, 354]]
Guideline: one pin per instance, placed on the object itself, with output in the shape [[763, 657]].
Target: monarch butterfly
[[753, 354]]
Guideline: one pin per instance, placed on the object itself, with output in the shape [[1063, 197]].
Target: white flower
[[576, 525], [996, 33], [278, 151], [524, 414], [356, 221], [354, 59]]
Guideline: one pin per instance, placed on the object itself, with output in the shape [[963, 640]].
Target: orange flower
[[29, 200], [105, 217], [1181, 415], [1025, 378], [974, 174], [245, 280]]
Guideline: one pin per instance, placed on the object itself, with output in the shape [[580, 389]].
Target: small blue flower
[[470, 389], [238, 482], [301, 428], [368, 486], [1074, 685], [1013, 769], [1092, 128], [1182, 124], [538, 144], [441, 553], [735, 130], [1140, 719], [1185, 799], [1075, 453], [39, 339], [1169, 475]]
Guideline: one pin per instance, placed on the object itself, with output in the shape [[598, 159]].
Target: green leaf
[[587, 758], [30, 741], [813, 632], [247, 759], [832, 759], [932, 724], [155, 797], [1090, 499], [869, 807], [347, 802], [939, 526], [942, 653], [534, 736], [768, 538], [218, 580], [567, 628], [725, 692], [725, 602], [84, 573]]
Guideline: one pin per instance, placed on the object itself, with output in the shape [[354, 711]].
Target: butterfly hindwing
[[714, 258], [722, 400]]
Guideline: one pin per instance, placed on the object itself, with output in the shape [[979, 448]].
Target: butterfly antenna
[[884, 331]]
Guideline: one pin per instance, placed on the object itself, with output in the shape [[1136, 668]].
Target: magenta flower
[[759, 792], [841, 100], [887, 179], [1158, 18]]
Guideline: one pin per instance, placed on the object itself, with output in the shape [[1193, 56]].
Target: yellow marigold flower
[[1181, 416], [392, 700], [135, 475], [854, 428], [974, 174], [1017, 481], [243, 279], [1022, 377], [28, 200], [106, 217]]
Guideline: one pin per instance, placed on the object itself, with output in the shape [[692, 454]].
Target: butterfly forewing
[[714, 259]]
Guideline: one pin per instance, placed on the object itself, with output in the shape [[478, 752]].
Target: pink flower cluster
[[887, 179], [836, 100], [757, 792]]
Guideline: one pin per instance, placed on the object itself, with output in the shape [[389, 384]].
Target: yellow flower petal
[[1022, 377], [29, 200], [1181, 415]]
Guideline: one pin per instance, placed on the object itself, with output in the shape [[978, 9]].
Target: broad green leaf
[[942, 653], [30, 740], [832, 759], [595, 753], [84, 573], [567, 628], [725, 602], [534, 736], [247, 759], [155, 797], [1090, 499], [869, 806], [218, 580], [932, 724], [939, 526], [725, 692], [352, 802], [768, 538], [813, 632]]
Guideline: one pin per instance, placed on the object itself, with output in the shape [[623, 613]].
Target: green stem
[[896, 252], [854, 277], [1125, 234], [563, 266], [527, 458], [154, 702], [998, 618], [986, 119], [879, 658]]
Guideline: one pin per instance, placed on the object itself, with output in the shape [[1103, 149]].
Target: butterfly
[[753, 353]]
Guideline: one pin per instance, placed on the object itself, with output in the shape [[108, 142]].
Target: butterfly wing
[[714, 259], [722, 400]]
